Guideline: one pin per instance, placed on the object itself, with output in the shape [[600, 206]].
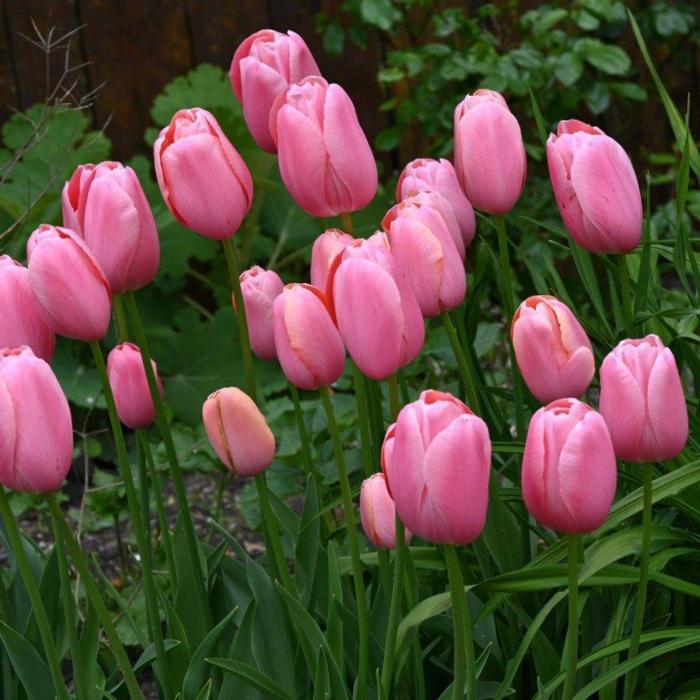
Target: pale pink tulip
[[260, 288], [378, 513], [324, 251]]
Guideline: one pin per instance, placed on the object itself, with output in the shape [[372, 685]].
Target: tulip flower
[[323, 253], [595, 187], [642, 401], [423, 247], [375, 307], [309, 347], [238, 432], [489, 152], [569, 473], [437, 461], [74, 296], [428, 174], [202, 177], [105, 205], [132, 395], [553, 352], [263, 67], [36, 430], [378, 513], [21, 322], [324, 157]]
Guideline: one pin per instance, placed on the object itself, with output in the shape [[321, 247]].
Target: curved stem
[[394, 612], [346, 219], [462, 363], [572, 633]]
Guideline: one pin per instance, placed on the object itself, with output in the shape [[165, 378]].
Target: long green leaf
[[29, 666], [253, 676]]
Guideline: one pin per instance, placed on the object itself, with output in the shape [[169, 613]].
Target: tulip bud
[[263, 67], [428, 174], [642, 401], [324, 251], [437, 461], [36, 430], [324, 157], [21, 322], [74, 296], [489, 152], [238, 432], [132, 395], [202, 177], [426, 252], [552, 350], [569, 472], [309, 347], [378, 513]]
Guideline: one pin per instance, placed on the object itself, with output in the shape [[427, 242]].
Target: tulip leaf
[[255, 677], [31, 670], [308, 542]]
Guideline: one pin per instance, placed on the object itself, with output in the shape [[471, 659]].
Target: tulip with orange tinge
[[324, 251]]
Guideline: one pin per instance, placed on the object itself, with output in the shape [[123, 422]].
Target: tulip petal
[[260, 85], [8, 437]]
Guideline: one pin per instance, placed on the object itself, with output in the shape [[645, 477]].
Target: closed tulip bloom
[[74, 296], [375, 307], [437, 461], [238, 432], [309, 347], [642, 401], [378, 513], [324, 157], [324, 251], [21, 322], [489, 152], [105, 205], [127, 377], [595, 187], [263, 67], [202, 177], [569, 473], [553, 351], [423, 247], [429, 174], [36, 430]]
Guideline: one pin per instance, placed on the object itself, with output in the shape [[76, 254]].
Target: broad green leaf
[[253, 676], [29, 666]]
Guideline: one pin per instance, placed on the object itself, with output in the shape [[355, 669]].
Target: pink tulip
[[428, 174], [378, 513], [105, 205], [309, 347], [323, 253], [202, 177], [552, 350], [21, 322], [437, 461], [642, 401], [375, 307], [36, 430], [74, 296], [238, 432], [569, 472], [595, 187], [324, 158], [127, 377], [423, 247], [489, 152], [263, 67]]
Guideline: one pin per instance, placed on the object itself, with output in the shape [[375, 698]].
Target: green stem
[[625, 294], [394, 405], [360, 595], [462, 363], [631, 677], [120, 318], [412, 601], [309, 467], [363, 419], [218, 504], [572, 633], [346, 219]]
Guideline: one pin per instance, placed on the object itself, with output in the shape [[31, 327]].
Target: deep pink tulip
[[74, 296], [642, 401], [36, 430], [127, 377], [429, 174], [423, 247], [260, 288], [202, 177], [375, 307], [238, 432], [595, 187], [324, 251], [437, 461], [21, 322], [324, 157], [553, 351], [263, 67], [105, 205], [489, 152], [378, 513], [569, 473], [309, 347]]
